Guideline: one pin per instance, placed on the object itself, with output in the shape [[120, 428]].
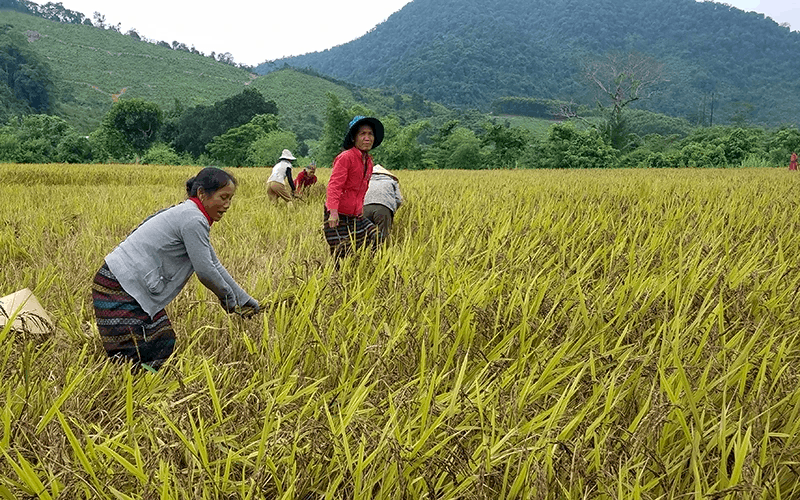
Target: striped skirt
[[352, 232], [127, 331]]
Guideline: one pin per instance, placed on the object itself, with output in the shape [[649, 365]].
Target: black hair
[[350, 138], [210, 179]]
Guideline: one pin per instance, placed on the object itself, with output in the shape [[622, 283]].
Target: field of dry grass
[[625, 334]]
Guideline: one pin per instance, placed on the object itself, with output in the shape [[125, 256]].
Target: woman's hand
[[249, 309], [253, 304], [333, 219], [228, 303]]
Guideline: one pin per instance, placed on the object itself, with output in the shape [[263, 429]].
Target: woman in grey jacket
[[151, 266]]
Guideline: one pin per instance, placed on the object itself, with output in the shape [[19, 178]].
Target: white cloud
[[251, 31]]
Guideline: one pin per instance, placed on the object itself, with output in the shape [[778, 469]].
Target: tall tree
[[199, 125], [23, 76], [620, 79], [231, 148], [266, 150], [99, 20], [506, 144], [136, 122]]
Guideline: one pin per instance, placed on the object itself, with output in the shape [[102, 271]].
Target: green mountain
[[471, 52]]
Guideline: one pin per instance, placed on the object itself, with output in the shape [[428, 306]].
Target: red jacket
[[349, 182], [304, 180]]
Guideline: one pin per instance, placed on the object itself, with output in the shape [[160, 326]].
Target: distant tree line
[[534, 107], [244, 131]]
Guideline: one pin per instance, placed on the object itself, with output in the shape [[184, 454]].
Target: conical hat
[[28, 314], [378, 169]]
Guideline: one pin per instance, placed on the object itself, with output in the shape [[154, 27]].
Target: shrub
[[74, 148], [695, 155], [37, 138], [266, 150], [635, 159], [9, 148], [781, 145], [740, 143], [232, 148], [566, 147], [401, 148], [161, 154], [659, 160]]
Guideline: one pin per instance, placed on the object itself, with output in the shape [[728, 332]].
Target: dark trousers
[[351, 232], [382, 217], [127, 332]]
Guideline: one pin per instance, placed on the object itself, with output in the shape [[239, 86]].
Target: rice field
[[624, 334]]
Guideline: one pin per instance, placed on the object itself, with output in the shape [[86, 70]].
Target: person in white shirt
[[281, 172]]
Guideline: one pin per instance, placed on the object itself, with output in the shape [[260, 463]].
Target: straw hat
[[29, 315], [287, 155], [378, 169]]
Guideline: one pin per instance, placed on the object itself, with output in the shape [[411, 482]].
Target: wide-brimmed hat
[[29, 315], [355, 123], [378, 169], [287, 155]]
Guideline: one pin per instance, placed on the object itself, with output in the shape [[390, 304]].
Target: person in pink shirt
[[306, 178], [793, 162], [345, 226]]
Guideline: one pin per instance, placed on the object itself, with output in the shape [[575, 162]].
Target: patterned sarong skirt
[[126, 330], [351, 232]]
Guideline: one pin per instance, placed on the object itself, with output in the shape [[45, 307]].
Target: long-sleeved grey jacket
[[384, 190], [157, 259]]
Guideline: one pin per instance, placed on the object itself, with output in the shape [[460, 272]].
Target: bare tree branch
[[624, 78], [566, 111]]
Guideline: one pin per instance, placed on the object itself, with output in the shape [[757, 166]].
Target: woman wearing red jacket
[[345, 226]]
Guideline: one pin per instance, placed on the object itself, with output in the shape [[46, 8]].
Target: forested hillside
[[93, 67], [470, 52], [63, 82], [78, 71]]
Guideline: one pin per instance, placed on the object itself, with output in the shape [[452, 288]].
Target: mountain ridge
[[468, 53]]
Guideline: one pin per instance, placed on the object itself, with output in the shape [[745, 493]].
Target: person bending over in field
[[382, 200], [152, 265], [344, 223], [282, 171], [306, 178]]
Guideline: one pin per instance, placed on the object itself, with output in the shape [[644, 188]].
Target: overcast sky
[[256, 31]]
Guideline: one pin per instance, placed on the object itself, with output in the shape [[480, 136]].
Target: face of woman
[[218, 203], [365, 137]]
